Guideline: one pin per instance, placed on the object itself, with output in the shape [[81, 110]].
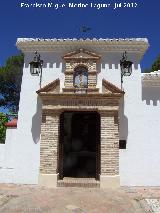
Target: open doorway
[[79, 153]]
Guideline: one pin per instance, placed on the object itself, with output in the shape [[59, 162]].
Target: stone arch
[[84, 64]]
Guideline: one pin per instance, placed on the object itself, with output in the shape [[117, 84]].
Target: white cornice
[[138, 45], [81, 39], [151, 79]]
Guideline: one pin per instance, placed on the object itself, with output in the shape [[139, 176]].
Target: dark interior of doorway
[[80, 144]]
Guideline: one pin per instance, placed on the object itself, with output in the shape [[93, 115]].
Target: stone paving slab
[[35, 199]]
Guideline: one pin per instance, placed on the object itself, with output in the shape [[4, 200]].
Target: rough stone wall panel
[[109, 144], [49, 144]]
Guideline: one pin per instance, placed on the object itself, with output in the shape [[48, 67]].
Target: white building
[[68, 131]]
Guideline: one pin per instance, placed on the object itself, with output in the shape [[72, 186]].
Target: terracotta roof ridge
[[12, 123]]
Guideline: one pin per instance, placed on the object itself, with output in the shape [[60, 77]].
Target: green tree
[[10, 82], [147, 71], [156, 64], [3, 120]]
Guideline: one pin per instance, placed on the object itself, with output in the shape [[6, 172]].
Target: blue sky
[[17, 21]]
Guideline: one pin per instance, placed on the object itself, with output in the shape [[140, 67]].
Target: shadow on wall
[[151, 95], [53, 59], [123, 122], [36, 122], [114, 59]]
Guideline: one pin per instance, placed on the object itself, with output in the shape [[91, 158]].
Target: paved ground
[[34, 199]]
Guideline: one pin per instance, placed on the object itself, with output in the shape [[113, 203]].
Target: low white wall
[[7, 167], [9, 147], [2, 152]]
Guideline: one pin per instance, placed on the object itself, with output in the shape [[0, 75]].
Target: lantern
[[126, 66], [36, 65]]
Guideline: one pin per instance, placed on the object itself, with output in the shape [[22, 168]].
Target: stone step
[[78, 182]]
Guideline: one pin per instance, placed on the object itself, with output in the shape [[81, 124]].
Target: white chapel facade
[[80, 122]]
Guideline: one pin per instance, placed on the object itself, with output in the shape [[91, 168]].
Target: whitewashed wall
[[2, 153], [139, 123], [27, 155]]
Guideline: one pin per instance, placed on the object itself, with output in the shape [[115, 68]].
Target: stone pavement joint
[[5, 199]]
